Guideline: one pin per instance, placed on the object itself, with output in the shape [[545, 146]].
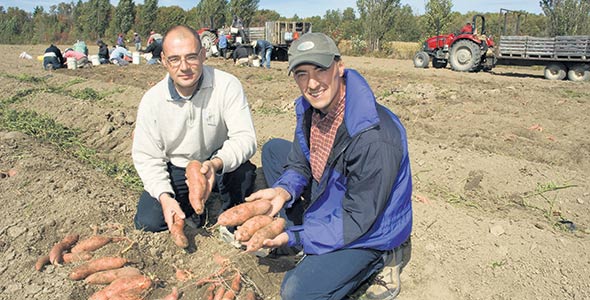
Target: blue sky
[[308, 8]]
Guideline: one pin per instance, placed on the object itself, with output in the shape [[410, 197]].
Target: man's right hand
[[277, 197], [170, 207]]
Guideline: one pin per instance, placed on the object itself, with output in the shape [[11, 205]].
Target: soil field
[[500, 163]]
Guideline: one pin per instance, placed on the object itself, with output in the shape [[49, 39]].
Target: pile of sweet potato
[[122, 281], [254, 225]]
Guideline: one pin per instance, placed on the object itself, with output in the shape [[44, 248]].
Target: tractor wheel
[[465, 56], [555, 71], [421, 60], [579, 72], [207, 41], [439, 63]]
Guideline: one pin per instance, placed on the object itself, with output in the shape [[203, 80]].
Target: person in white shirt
[[195, 113]]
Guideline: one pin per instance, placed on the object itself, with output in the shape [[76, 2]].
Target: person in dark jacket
[[103, 52], [343, 185], [264, 50], [53, 59], [240, 55], [155, 48]]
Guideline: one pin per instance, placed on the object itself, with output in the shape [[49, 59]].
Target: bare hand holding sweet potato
[[276, 196], [197, 186], [246, 230], [239, 214], [268, 232]]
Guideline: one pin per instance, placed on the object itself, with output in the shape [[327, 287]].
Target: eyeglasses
[[190, 59]]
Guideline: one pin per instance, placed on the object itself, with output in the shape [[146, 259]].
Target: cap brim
[[320, 60]]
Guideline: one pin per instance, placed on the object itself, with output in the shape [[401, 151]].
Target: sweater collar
[[175, 96]]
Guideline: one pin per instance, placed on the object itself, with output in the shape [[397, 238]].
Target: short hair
[[176, 27]]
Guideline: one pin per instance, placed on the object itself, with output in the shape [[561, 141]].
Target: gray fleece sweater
[[215, 122]]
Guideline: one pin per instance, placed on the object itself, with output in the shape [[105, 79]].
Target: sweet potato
[[246, 230], [41, 262], [229, 295], [172, 296], [132, 285], [248, 295], [197, 184], [209, 293], [219, 293], [76, 257], [97, 265], [92, 243], [238, 214], [177, 232], [236, 282], [126, 296], [108, 276], [269, 231], [56, 253]]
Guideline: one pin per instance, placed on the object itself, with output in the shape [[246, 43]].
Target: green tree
[[567, 17], [124, 17], [437, 16], [148, 14], [169, 16], [262, 16], [377, 17], [406, 26], [245, 9], [211, 13]]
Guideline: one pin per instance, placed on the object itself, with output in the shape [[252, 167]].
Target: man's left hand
[[279, 240], [208, 169]]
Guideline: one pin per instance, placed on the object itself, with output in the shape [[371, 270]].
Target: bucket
[[256, 62], [72, 63], [136, 58], [239, 39], [94, 60]]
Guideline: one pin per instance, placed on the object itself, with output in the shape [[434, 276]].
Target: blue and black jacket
[[363, 199]]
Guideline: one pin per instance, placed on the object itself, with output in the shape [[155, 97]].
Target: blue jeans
[[332, 275], [232, 188], [265, 55]]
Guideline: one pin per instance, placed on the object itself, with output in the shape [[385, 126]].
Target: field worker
[[52, 59], [195, 113], [81, 58], [103, 52], [155, 48], [240, 55], [467, 28], [137, 41], [346, 175], [222, 44], [263, 49], [120, 56]]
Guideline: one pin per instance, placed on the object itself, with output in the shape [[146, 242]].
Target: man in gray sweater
[[195, 113]]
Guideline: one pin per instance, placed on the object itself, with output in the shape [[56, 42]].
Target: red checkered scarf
[[323, 133]]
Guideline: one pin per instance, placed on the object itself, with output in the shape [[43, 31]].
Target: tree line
[[372, 22]]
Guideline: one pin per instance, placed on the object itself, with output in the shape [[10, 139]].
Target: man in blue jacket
[[345, 188]]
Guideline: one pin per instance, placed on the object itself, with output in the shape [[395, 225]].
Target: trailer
[[280, 34], [562, 56]]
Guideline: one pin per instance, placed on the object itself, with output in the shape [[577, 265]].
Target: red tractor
[[466, 51]]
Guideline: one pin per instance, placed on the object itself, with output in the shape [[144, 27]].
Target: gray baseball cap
[[313, 48]]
